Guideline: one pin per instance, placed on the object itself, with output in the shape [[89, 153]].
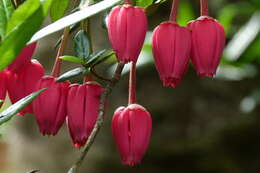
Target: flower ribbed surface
[[171, 49], [127, 27], [23, 83], [50, 107], [131, 129], [208, 41], [82, 110]]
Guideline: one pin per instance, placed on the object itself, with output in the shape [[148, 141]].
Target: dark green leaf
[[72, 73], [99, 57], [72, 59], [21, 34], [6, 10], [7, 114], [58, 9], [1, 102], [74, 18], [81, 44]]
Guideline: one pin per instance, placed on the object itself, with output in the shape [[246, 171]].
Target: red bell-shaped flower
[[23, 83], [171, 49], [23, 58], [82, 111], [2, 86], [50, 107], [127, 27], [208, 41], [131, 128]]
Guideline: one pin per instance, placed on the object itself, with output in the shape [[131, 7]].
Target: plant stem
[[204, 8], [57, 65], [107, 90], [128, 1], [174, 10], [132, 84]]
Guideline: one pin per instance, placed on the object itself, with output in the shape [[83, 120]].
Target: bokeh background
[[202, 126]]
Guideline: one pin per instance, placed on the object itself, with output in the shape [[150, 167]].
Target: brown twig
[[100, 118], [57, 65]]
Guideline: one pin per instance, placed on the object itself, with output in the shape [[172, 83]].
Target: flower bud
[[23, 58], [131, 128], [127, 27], [171, 49], [23, 83], [2, 86], [83, 108], [208, 41], [50, 107]]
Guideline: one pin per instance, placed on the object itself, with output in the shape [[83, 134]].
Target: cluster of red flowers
[[202, 41], [78, 103]]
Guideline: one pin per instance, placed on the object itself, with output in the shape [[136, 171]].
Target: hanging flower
[[127, 27], [131, 128]]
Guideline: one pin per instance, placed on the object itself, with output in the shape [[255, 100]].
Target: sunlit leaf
[[22, 13], [21, 34], [74, 18], [143, 3], [6, 10], [72, 59], [58, 9]]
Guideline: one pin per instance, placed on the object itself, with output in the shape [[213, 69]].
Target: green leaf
[[22, 13], [81, 44], [58, 9], [99, 57], [74, 18], [143, 3], [1, 102], [7, 114], [72, 73], [6, 10], [72, 59], [21, 34]]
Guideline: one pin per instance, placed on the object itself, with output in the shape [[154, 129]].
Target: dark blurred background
[[202, 126]]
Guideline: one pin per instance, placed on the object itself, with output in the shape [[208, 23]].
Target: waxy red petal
[[23, 83], [208, 41], [23, 58], [83, 108], [50, 107], [127, 27], [131, 129], [171, 49]]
